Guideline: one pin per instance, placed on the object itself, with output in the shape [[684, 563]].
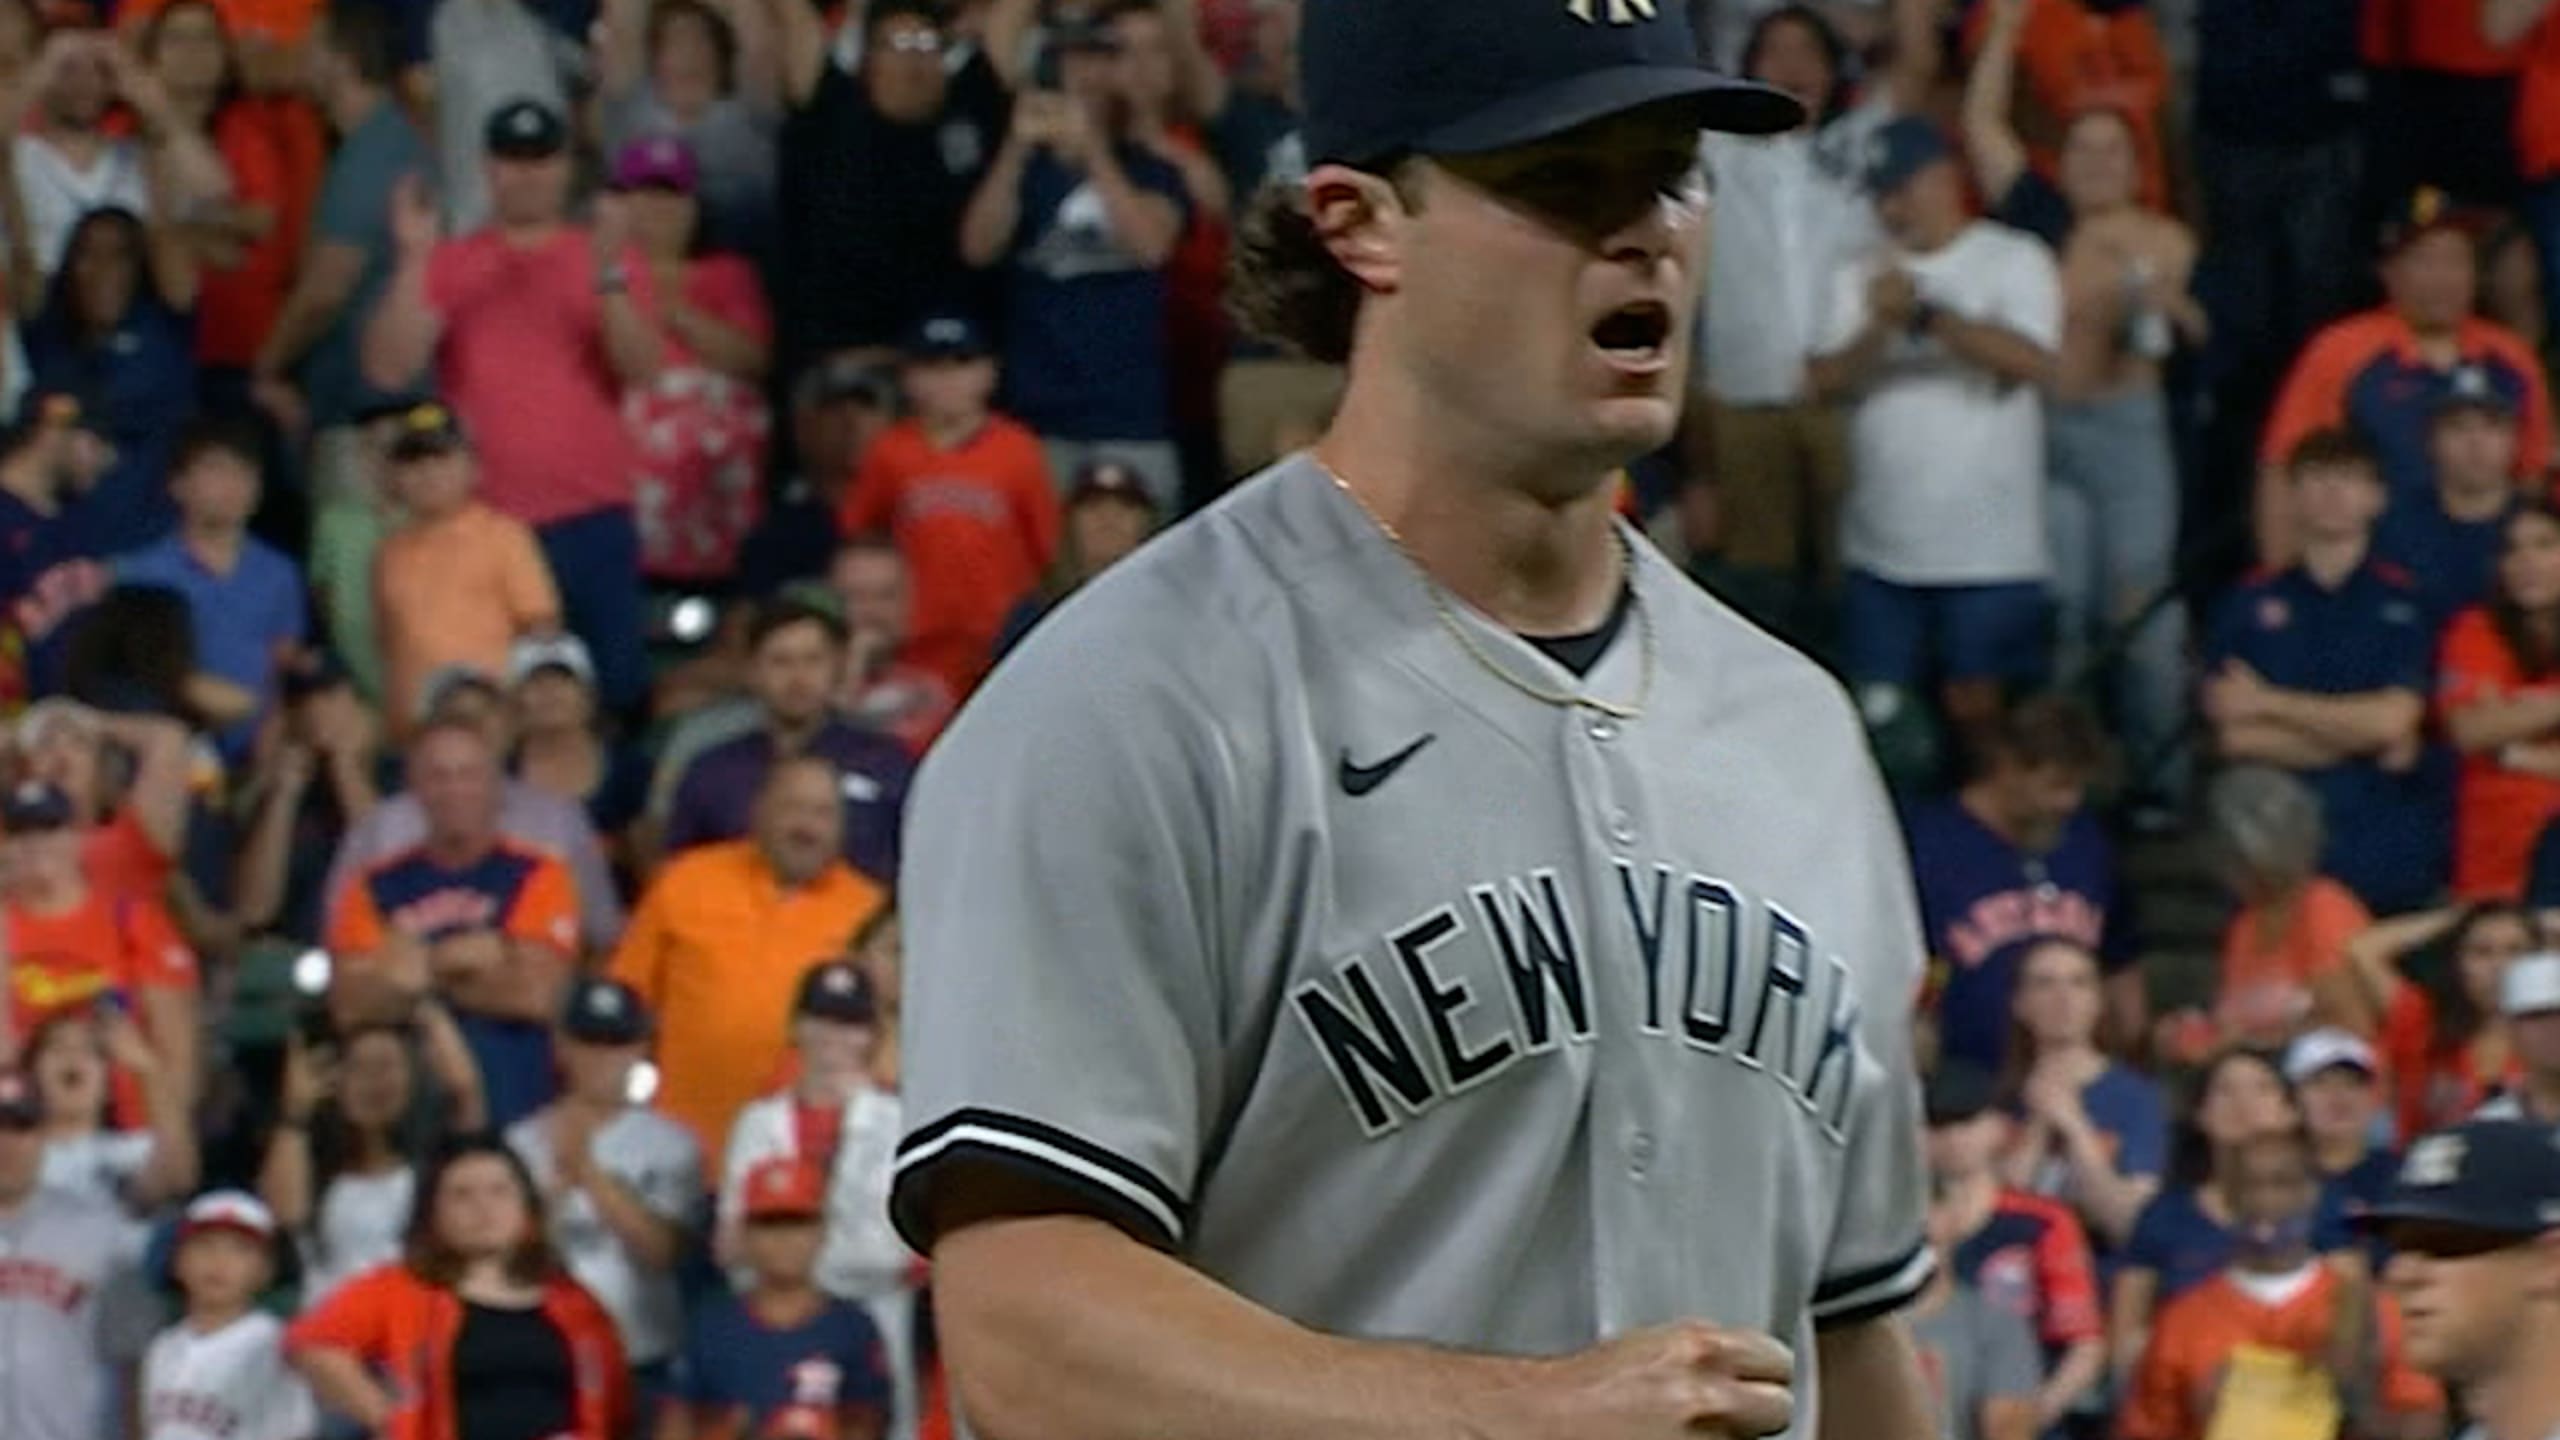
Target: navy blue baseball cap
[[604, 1012], [1383, 79], [948, 335], [33, 805], [1900, 149], [2497, 1177], [525, 129]]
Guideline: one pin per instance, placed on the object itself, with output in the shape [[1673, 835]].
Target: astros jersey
[[60, 1257], [1397, 1000], [1983, 901], [231, 1384]]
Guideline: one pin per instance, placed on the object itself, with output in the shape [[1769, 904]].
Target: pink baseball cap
[[656, 162]]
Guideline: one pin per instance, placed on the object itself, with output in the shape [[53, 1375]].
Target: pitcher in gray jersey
[[1396, 906]]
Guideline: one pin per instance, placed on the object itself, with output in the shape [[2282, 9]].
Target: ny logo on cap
[[1617, 12], [2436, 1160]]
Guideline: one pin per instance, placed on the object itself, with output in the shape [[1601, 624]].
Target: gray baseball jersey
[[658, 1161], [1247, 903], [62, 1258]]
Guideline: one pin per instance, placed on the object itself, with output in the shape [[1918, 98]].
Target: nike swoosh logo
[[1358, 780]]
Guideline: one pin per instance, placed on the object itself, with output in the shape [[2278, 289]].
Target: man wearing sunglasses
[[2473, 1223]]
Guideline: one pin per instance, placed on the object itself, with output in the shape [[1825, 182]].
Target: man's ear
[[1362, 220]]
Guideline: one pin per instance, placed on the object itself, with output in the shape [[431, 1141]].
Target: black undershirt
[[1578, 653], [513, 1378]]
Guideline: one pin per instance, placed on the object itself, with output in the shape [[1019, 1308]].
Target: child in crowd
[[219, 1373], [457, 583], [74, 1059], [783, 1360], [834, 1118]]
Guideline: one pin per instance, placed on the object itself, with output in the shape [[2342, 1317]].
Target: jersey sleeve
[[546, 908], [355, 927], [2314, 394], [156, 956], [1061, 1017], [2142, 1144], [2157, 1407], [1879, 1258], [355, 1317], [2069, 1281], [2475, 665]]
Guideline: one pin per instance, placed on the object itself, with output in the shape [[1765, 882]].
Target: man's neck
[[2475, 502], [2330, 562], [791, 736], [782, 1306], [2338, 1154], [950, 432], [528, 236], [1473, 508], [218, 546], [1976, 800], [590, 1109], [351, 105], [562, 744], [2524, 1402], [209, 1319], [50, 895], [453, 852], [196, 105], [1971, 1198]]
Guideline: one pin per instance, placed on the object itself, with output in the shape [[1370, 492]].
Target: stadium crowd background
[[497, 496]]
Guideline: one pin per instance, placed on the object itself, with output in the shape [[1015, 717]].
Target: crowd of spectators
[[497, 496]]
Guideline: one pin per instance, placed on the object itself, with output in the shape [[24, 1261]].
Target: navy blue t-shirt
[[138, 385], [1085, 348], [2390, 832], [2187, 1247], [1982, 902], [2453, 563], [759, 1381]]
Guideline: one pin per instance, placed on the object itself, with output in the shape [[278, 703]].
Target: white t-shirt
[[1789, 212], [97, 1166], [230, 1384], [55, 194], [360, 1223], [1947, 460], [657, 1160]]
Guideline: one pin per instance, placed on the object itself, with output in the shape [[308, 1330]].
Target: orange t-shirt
[[2438, 35], [2196, 1333], [455, 591], [2433, 1085], [717, 948], [104, 945], [271, 147], [2498, 813], [119, 857], [978, 524], [2266, 981], [2072, 60]]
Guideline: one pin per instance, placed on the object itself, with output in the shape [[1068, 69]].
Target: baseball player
[[1392, 957], [61, 1257], [2473, 1225], [219, 1373]]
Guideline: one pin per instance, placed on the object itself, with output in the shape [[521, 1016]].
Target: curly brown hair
[[1283, 284]]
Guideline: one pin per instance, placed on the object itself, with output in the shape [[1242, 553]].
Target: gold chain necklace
[[1449, 621]]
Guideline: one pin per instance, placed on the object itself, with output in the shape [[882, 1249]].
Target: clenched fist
[[1679, 1380]]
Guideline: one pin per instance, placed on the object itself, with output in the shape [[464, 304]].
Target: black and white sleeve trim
[[1117, 1188], [1877, 1290]]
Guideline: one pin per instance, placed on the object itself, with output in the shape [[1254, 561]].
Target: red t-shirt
[[2537, 123], [271, 165], [523, 363], [978, 524], [2498, 812], [119, 857]]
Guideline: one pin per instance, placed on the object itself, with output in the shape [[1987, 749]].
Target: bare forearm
[[2273, 744], [2271, 515], [651, 1239], [2492, 724], [264, 860], [632, 345], [2081, 1366], [400, 335], [722, 346], [1872, 1388], [309, 311], [2360, 724], [2504, 22], [1118, 1342], [1996, 348], [169, 1020], [1845, 371], [986, 230], [1147, 225], [2113, 1200], [284, 1176]]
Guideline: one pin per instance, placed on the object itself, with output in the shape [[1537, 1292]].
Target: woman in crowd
[[358, 1114], [477, 1330], [118, 330], [2498, 691], [315, 776], [704, 72], [702, 423], [2285, 965], [1196, 276], [2096, 1132], [2185, 1234], [79, 1061], [562, 742], [129, 780], [878, 947], [250, 239], [2444, 1043]]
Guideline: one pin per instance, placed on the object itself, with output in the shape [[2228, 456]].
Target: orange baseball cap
[[785, 1189]]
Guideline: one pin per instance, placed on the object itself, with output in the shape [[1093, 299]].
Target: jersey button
[[1622, 827], [1639, 1153], [1602, 728]]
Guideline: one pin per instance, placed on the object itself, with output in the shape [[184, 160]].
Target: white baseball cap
[[2325, 1049], [550, 652], [228, 1210], [2531, 985]]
